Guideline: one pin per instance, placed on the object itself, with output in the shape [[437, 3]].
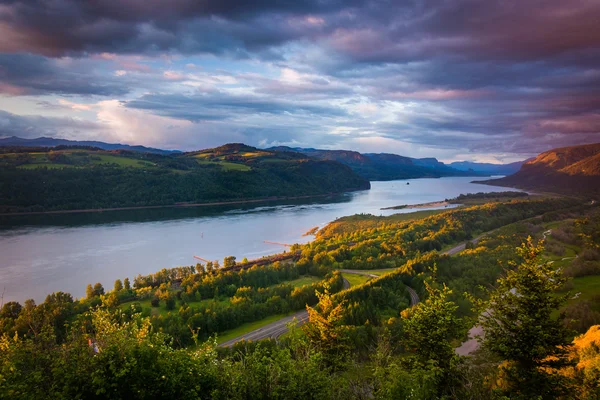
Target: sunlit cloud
[[486, 81]]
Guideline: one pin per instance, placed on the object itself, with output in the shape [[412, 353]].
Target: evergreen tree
[[522, 327], [127, 284], [429, 328], [89, 292], [118, 285], [325, 328], [98, 289]]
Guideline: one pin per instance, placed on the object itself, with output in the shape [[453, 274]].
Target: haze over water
[[49, 253]]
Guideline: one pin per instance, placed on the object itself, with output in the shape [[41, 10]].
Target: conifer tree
[[522, 326]]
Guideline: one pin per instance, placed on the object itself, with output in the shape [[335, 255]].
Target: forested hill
[[574, 169], [71, 178], [383, 166]]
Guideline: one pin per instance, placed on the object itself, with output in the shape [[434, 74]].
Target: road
[[462, 246], [278, 328], [274, 329], [271, 331]]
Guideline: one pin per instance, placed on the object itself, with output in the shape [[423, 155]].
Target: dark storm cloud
[[25, 74], [488, 75], [65, 26], [219, 106]]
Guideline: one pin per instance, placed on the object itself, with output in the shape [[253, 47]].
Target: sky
[[494, 80]]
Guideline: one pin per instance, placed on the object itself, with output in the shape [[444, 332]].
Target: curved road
[[275, 329]]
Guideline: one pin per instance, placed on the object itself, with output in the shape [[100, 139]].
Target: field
[[303, 281], [588, 288], [356, 280], [72, 159]]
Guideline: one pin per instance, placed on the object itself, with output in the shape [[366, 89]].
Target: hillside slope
[[382, 166], [69, 178], [574, 169], [488, 168]]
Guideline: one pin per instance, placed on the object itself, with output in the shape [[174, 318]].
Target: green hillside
[[70, 178]]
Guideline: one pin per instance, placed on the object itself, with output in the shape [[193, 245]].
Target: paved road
[[274, 329], [278, 328], [462, 246]]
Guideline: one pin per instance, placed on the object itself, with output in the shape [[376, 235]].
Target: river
[[42, 254]]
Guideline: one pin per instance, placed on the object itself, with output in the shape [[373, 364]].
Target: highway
[[274, 329], [278, 328], [271, 331]]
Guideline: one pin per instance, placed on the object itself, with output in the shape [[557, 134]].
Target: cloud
[[33, 126], [458, 76], [220, 105], [25, 74]]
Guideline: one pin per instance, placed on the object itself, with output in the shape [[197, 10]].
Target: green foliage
[[117, 360], [429, 328], [325, 329], [521, 326], [109, 179]]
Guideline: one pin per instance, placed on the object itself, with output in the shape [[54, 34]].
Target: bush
[[170, 303], [155, 302]]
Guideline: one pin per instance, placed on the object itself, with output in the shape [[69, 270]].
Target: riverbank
[[180, 205], [433, 204]]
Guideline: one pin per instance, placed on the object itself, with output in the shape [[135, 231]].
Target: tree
[[325, 328], [98, 289], [429, 328], [118, 285], [229, 261], [11, 310], [127, 284], [89, 292], [522, 327], [170, 303]]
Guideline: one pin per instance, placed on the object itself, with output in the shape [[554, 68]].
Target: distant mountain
[[52, 142], [383, 166], [488, 168], [574, 169]]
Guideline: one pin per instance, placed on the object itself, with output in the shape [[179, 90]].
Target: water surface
[[47, 253]]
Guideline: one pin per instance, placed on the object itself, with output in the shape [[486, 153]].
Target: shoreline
[[432, 204], [180, 205]]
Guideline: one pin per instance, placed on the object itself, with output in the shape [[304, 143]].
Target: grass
[[80, 158], [248, 327], [226, 165], [121, 161], [303, 281], [355, 280], [250, 154], [588, 286], [380, 271], [416, 215]]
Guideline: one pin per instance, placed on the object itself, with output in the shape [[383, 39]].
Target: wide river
[[64, 252]]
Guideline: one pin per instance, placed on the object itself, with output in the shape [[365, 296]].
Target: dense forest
[[533, 264], [65, 178]]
